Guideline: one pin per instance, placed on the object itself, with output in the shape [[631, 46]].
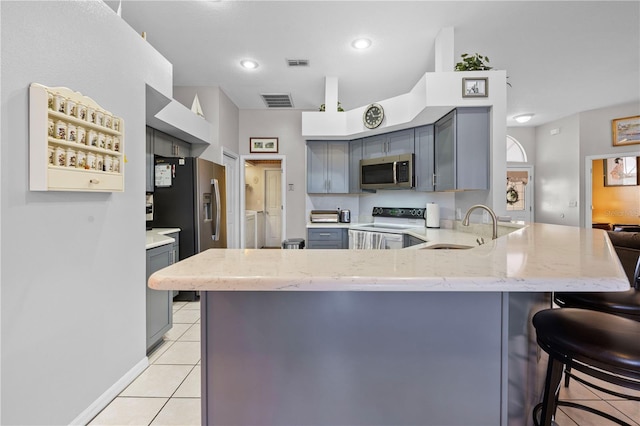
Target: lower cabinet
[[175, 256], [327, 238], [410, 240], [159, 302]]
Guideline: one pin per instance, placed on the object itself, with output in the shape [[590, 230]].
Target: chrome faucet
[[465, 222]]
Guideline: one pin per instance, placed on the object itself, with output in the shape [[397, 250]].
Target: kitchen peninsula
[[415, 336]]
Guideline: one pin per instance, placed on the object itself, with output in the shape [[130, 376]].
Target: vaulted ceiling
[[561, 57]]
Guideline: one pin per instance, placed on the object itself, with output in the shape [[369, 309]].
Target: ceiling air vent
[[277, 100], [298, 62]]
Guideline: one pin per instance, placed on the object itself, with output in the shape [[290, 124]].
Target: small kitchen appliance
[[324, 216], [345, 216], [390, 172]]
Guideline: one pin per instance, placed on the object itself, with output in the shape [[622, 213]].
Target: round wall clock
[[373, 116]]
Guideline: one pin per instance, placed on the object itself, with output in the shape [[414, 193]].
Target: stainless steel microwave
[[392, 172]]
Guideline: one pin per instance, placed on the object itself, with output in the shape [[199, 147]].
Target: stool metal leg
[[550, 397], [566, 376]]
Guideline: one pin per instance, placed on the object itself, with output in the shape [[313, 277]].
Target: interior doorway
[[608, 202], [520, 193], [273, 207], [263, 201]]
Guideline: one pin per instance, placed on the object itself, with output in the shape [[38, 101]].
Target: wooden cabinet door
[[423, 166], [159, 302], [401, 142], [338, 167], [317, 167], [149, 166], [374, 146], [445, 152], [472, 148], [355, 155]]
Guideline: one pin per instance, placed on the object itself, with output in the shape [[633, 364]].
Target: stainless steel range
[[390, 223]]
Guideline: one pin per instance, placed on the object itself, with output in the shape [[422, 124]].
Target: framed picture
[[621, 171], [475, 87], [269, 145], [626, 131]]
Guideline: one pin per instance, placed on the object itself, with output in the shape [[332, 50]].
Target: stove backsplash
[[361, 205]]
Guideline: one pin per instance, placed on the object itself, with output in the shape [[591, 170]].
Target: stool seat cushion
[[624, 303], [601, 340]]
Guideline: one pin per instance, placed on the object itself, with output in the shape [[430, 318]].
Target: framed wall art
[[621, 171], [475, 87], [626, 131], [263, 145]]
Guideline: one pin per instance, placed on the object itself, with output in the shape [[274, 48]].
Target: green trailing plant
[[473, 63], [340, 109]]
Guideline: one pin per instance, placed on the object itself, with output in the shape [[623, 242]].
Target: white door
[[233, 229], [520, 193], [273, 207]]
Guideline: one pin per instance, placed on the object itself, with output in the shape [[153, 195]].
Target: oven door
[[374, 240]]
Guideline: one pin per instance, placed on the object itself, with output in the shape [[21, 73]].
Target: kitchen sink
[[447, 247]]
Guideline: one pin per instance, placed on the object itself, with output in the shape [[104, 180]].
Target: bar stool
[[626, 303], [599, 345]]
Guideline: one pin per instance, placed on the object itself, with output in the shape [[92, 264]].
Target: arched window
[[515, 151]]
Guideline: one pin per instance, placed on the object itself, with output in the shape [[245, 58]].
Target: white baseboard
[[104, 399]]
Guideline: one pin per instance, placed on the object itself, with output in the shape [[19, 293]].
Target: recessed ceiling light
[[249, 64], [523, 118], [361, 43]]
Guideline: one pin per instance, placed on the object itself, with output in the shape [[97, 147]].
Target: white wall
[[220, 112], [73, 264], [596, 138], [560, 160], [557, 178], [527, 138], [286, 126]]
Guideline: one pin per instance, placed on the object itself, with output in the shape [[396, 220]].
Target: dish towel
[[366, 240]]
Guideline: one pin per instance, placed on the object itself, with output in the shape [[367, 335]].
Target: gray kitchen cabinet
[[327, 238], [461, 150], [159, 302], [168, 146], [327, 167], [394, 143], [149, 160], [423, 166], [175, 255], [355, 155], [410, 240]]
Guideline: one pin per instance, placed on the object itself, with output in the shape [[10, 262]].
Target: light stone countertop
[[536, 258], [157, 237]]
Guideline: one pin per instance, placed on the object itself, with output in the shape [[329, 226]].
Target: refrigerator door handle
[[216, 190]]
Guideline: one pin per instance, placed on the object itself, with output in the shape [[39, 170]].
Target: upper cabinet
[[451, 154], [394, 143], [355, 155], [327, 167], [461, 150], [423, 166], [168, 146]]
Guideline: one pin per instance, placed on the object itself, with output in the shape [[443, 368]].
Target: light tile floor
[[168, 391]]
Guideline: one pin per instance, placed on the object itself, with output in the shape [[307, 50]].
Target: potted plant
[[340, 109], [473, 63]]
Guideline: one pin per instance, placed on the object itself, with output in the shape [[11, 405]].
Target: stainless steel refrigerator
[[190, 195]]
